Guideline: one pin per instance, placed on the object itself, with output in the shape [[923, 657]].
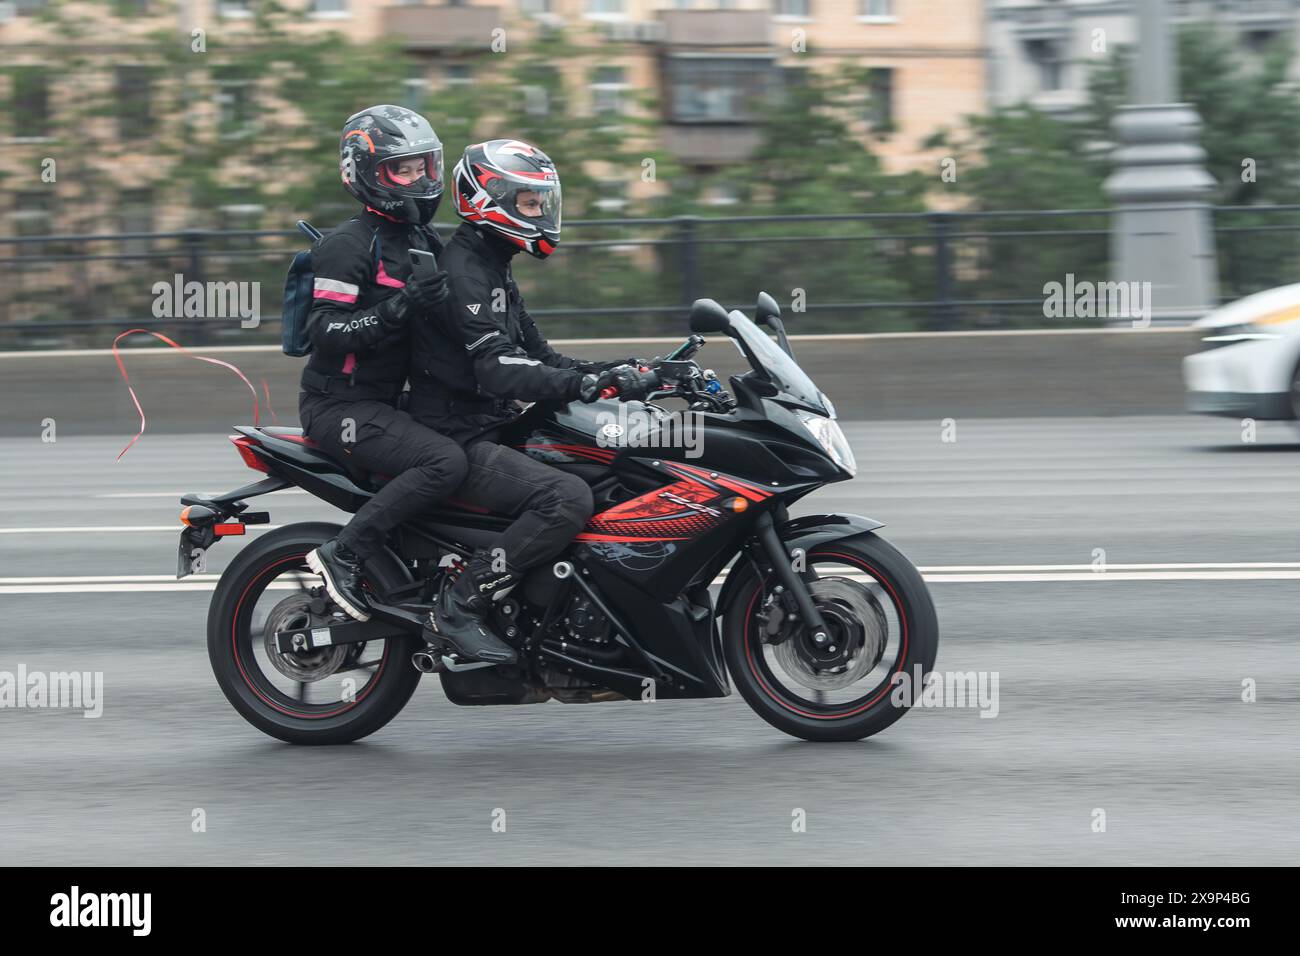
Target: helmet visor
[[537, 204], [417, 175]]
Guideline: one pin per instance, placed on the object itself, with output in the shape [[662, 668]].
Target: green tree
[[811, 161]]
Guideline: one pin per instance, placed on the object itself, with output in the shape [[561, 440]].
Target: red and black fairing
[[661, 518]]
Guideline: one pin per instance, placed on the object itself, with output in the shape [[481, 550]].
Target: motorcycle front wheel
[[882, 637]]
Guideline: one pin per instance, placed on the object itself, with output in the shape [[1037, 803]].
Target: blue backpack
[[299, 289]]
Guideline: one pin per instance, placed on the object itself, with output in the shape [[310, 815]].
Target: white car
[[1249, 363]]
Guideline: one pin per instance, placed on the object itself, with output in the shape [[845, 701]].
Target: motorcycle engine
[[584, 622]]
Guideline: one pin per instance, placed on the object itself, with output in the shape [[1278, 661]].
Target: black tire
[[918, 645], [381, 699]]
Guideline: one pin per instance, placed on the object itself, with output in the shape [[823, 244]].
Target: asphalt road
[[1119, 690]]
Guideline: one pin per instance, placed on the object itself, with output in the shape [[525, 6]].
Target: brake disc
[[294, 614], [859, 631]]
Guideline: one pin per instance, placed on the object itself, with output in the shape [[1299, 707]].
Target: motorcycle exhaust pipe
[[426, 662]]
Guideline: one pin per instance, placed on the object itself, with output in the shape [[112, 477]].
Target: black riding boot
[[341, 571], [459, 617]]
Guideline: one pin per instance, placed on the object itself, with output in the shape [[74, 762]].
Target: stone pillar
[[1161, 229]]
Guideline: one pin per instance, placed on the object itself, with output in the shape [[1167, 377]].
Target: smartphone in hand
[[423, 263]]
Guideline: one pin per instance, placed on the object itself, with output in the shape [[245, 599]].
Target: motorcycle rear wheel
[[274, 698]]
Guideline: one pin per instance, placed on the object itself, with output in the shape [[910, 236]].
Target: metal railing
[[858, 273]]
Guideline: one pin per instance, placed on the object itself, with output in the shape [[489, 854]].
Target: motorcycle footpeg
[[452, 663]]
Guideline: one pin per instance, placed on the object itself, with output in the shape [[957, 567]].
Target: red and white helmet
[[489, 180]]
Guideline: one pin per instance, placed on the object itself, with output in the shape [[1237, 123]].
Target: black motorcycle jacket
[[358, 328], [485, 343]]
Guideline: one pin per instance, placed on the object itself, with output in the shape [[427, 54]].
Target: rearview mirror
[[708, 316], [768, 313]]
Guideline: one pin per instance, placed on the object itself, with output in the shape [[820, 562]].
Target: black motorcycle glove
[[588, 388], [630, 384], [419, 297], [426, 292]]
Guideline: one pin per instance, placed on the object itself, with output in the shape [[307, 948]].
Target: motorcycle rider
[[485, 353], [363, 308]]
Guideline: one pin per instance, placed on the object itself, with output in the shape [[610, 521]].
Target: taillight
[[246, 452]]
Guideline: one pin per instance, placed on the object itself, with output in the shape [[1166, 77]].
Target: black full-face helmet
[[489, 181], [374, 142]]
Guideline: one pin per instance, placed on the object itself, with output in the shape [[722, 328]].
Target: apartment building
[[706, 64], [1039, 50]]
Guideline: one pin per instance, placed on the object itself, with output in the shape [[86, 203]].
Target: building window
[[135, 215], [235, 107], [134, 101], [234, 8], [238, 212], [546, 94], [605, 8], [720, 192], [607, 86], [537, 102], [329, 8], [31, 103], [613, 195], [880, 99], [878, 10], [798, 9], [717, 90], [534, 8], [28, 7], [33, 215], [415, 93], [458, 74], [1258, 41], [1046, 57]]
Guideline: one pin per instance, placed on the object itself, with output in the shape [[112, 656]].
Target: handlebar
[[611, 391], [678, 376]]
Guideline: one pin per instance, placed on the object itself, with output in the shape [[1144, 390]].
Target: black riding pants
[[375, 437], [551, 506]]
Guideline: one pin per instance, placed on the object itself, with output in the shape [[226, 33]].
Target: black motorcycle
[[818, 619]]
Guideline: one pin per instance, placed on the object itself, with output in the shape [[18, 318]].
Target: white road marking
[[120, 529], [957, 574], [177, 494], [1108, 568]]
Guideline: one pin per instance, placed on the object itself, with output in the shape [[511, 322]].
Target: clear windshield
[[779, 367]]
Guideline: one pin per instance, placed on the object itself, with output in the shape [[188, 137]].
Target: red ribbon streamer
[[266, 390], [180, 348]]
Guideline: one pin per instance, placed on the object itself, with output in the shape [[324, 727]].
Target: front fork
[[770, 543]]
